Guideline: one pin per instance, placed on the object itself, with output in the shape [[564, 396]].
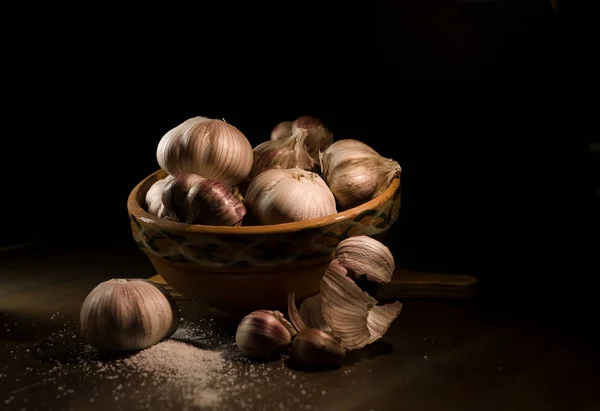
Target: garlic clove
[[263, 335], [279, 196], [319, 136], [364, 256], [208, 147], [353, 315], [125, 314], [314, 349], [153, 197], [355, 172], [281, 130], [192, 199], [283, 153]]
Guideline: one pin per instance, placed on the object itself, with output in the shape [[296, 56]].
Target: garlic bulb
[[364, 256], [349, 314], [192, 199], [314, 349], [356, 173], [319, 137], [263, 334], [211, 148], [153, 197], [281, 130], [128, 314], [285, 195], [283, 153]]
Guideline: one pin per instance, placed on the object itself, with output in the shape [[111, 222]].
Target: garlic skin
[[356, 173], [153, 197], [353, 315], [208, 147], [279, 196], [284, 153], [309, 315], [343, 310], [313, 349], [364, 256], [128, 314], [319, 136], [193, 199], [263, 334], [281, 130]]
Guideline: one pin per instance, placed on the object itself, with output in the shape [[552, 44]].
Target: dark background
[[473, 98]]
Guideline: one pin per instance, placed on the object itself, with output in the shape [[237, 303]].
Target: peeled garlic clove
[[192, 199], [208, 147], [283, 153], [356, 173], [316, 349], [281, 130], [364, 256], [263, 334], [153, 197], [319, 137], [278, 196], [128, 314], [353, 315]]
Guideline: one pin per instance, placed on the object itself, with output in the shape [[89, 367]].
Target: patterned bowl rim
[[136, 210]]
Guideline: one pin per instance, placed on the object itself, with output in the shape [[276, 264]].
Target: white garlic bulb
[[128, 314], [284, 153], [356, 173], [153, 197], [285, 195], [364, 256], [211, 148]]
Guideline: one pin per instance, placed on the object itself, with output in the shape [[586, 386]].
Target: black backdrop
[[465, 95]]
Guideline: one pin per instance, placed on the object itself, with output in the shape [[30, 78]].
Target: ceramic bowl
[[235, 270]]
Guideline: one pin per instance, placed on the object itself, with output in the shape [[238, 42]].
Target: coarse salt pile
[[200, 378]]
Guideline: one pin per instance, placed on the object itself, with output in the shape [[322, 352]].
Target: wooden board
[[405, 284]]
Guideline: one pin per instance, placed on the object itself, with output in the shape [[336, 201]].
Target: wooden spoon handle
[[416, 284]]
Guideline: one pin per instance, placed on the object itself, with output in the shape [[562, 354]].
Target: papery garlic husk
[[356, 173], [353, 315], [193, 199], [365, 257], [319, 136], [263, 334], [208, 147], [128, 314], [309, 315], [281, 130], [349, 314], [153, 197], [314, 349], [284, 153], [278, 196]]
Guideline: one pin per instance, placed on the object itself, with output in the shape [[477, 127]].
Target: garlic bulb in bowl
[[289, 152], [209, 147], [286, 195], [356, 173]]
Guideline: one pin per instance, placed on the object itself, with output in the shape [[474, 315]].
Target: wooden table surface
[[468, 354]]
